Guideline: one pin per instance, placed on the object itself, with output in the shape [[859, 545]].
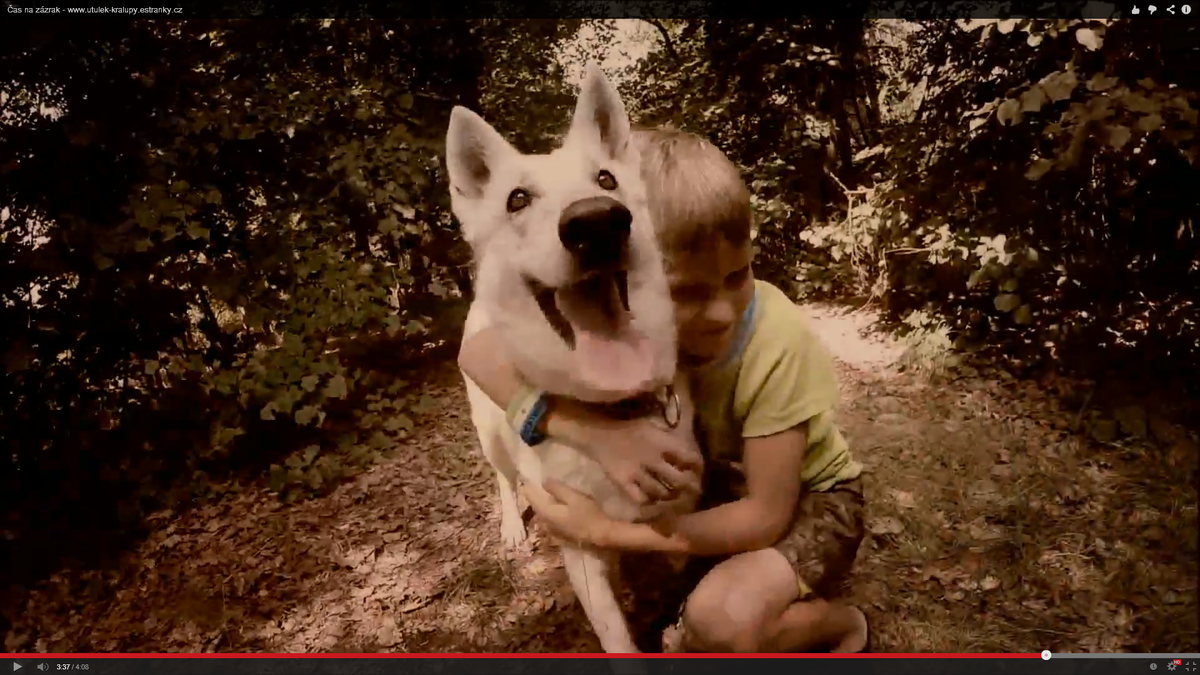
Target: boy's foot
[[858, 639]]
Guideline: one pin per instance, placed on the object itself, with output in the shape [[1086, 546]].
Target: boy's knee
[[717, 620]]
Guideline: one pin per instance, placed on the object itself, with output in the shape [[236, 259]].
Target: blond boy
[[785, 516]]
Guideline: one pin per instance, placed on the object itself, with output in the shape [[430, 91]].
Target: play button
[[16, 666]]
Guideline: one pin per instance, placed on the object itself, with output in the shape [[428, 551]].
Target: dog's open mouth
[[593, 318]]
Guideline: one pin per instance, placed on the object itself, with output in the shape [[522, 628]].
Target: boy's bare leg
[[810, 624], [749, 604]]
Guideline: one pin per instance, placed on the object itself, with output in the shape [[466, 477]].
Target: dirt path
[[992, 529]]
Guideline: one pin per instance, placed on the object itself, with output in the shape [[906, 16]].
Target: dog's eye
[[517, 200], [606, 180]]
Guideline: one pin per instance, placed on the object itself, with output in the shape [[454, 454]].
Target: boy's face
[[711, 289]]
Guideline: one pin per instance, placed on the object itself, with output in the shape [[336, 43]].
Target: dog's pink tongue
[[613, 359], [621, 363]]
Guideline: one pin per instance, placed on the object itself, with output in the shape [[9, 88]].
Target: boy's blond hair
[[694, 191]]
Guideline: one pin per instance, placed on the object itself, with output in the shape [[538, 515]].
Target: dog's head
[[565, 252]]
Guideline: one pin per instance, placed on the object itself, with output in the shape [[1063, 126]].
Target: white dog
[[569, 272]]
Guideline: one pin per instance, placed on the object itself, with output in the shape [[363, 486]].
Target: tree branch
[[666, 36]]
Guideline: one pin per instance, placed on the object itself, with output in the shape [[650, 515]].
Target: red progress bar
[[260, 655]]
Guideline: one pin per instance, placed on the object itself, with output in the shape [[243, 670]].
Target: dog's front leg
[[591, 574]]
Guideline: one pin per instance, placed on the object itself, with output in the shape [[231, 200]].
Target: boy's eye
[[517, 200], [737, 278], [606, 180], [691, 293]]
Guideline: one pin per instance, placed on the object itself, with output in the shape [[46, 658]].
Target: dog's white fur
[[484, 169]]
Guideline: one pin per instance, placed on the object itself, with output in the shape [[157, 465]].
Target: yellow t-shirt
[[777, 375]]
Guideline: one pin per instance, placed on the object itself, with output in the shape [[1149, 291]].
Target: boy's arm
[[772, 465], [799, 384], [642, 459], [496, 377]]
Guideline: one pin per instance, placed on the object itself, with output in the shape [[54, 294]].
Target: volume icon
[[43, 667]]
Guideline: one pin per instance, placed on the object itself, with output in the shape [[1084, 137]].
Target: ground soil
[[993, 528]]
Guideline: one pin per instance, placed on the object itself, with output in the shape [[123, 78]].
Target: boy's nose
[[720, 312], [595, 231]]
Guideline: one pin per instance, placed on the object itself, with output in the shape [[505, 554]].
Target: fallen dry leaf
[[903, 499], [885, 525]]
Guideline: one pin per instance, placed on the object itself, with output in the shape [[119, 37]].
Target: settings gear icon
[[1170, 666]]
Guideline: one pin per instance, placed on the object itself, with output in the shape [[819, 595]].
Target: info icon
[[1186, 9]]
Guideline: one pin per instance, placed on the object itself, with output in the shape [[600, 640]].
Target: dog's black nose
[[595, 231]]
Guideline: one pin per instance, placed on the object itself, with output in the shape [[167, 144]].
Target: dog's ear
[[472, 150], [600, 115]]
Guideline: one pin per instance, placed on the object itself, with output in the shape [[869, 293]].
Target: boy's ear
[[473, 149], [600, 116]]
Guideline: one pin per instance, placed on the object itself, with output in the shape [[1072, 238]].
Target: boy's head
[[702, 217]]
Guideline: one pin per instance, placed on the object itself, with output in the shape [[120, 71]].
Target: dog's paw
[[513, 534], [621, 647]]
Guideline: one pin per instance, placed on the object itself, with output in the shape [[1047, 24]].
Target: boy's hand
[[570, 514], [647, 462]]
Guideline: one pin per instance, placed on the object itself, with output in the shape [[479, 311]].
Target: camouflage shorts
[[825, 533]]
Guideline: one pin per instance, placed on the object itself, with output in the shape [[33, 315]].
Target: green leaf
[[197, 231], [1038, 168], [1009, 285], [399, 421], [392, 325], [1151, 122], [1023, 316], [424, 404], [1009, 112], [1101, 82], [179, 186], [1089, 38], [152, 367], [310, 453], [306, 414], [406, 101], [1059, 86], [1118, 136], [278, 478], [1006, 302], [1033, 99], [309, 382], [336, 387], [103, 262]]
